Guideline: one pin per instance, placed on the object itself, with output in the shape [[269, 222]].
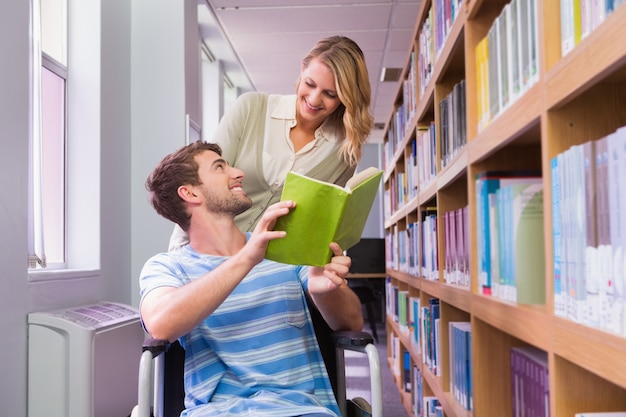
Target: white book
[[494, 72], [604, 252], [621, 281], [533, 43], [510, 13], [592, 269], [567, 26], [503, 68], [615, 301], [579, 234], [585, 18]]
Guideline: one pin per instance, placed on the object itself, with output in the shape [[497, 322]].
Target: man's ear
[[187, 193]]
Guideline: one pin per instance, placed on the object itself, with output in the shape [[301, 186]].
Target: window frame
[[82, 211]]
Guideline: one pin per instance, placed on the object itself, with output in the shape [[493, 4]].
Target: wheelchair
[[161, 390]]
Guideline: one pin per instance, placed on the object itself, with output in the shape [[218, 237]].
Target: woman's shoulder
[[256, 96], [253, 97]]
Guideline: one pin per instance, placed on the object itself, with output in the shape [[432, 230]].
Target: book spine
[[559, 305], [591, 241], [615, 219]]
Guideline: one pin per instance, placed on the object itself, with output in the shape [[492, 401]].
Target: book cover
[[406, 375], [529, 256], [324, 213], [460, 362], [414, 326], [530, 390], [417, 390]]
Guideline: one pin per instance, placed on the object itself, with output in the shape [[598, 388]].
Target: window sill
[[61, 274]]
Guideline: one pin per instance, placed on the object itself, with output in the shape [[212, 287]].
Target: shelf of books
[[504, 189]]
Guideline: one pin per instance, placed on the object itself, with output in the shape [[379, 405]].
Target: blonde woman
[[319, 131]]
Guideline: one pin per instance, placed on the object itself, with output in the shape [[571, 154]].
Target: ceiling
[[262, 42]]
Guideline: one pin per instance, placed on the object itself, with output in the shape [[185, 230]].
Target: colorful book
[[530, 386], [487, 183], [460, 362], [324, 213], [556, 165]]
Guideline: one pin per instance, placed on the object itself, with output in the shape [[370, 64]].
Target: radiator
[[84, 361]]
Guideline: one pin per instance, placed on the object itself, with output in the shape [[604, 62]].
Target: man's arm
[[170, 312], [338, 304]]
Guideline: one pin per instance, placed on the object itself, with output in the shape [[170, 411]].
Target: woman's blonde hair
[[347, 63]]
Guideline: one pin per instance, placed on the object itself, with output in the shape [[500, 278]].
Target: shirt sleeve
[[303, 275], [157, 272]]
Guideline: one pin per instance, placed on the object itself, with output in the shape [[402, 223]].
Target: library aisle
[[505, 167]]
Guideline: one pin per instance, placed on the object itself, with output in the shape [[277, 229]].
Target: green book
[[324, 213], [528, 244]]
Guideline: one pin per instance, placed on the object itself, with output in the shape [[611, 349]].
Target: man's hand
[[332, 275], [263, 233]]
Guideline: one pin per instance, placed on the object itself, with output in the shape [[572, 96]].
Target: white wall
[[159, 105], [13, 181], [142, 117]]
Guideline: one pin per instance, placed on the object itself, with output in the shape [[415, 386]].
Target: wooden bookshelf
[[576, 98]]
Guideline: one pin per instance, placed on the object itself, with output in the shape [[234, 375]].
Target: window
[[47, 194]]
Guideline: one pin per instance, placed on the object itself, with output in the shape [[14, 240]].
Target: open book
[[324, 213]]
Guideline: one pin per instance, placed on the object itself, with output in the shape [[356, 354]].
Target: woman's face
[[317, 94]]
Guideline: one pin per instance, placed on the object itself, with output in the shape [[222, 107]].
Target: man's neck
[[219, 237]]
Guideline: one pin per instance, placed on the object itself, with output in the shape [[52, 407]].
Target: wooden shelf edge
[[427, 193], [452, 407], [578, 344], [527, 323], [513, 122], [590, 62], [456, 296], [454, 170]]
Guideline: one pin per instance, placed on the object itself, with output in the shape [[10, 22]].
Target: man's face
[[221, 185]]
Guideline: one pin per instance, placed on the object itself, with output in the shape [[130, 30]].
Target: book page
[[359, 177]]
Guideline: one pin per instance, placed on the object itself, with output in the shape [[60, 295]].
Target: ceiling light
[[390, 74]]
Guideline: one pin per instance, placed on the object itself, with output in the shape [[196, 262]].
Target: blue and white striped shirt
[[257, 354]]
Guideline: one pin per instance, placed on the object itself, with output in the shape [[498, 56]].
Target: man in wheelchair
[[250, 347]]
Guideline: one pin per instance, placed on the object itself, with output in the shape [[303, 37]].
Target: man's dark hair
[[176, 169]]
